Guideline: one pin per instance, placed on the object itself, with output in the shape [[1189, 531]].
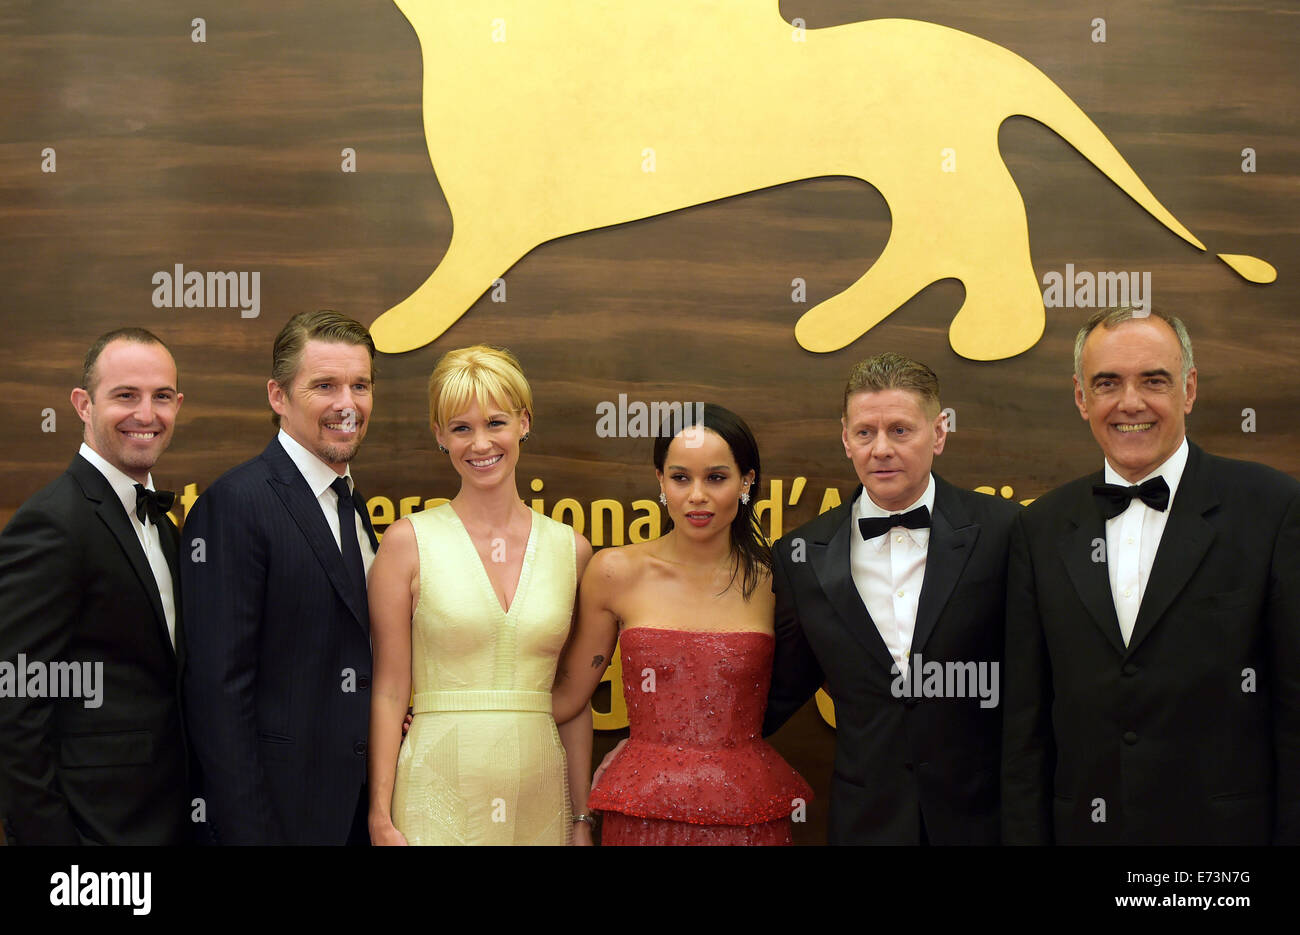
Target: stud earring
[[662, 498]]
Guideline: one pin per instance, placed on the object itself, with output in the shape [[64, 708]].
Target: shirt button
[[900, 593], [1127, 592], [1130, 540], [899, 539], [1130, 737], [359, 748]]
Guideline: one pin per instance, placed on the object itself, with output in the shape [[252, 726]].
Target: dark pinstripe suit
[[273, 626]]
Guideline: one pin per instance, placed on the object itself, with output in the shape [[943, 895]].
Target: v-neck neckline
[[521, 582]]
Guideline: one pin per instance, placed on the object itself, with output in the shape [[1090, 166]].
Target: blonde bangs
[[487, 375]]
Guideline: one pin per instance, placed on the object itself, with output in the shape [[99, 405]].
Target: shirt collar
[[1171, 471], [867, 508], [121, 483], [318, 475]]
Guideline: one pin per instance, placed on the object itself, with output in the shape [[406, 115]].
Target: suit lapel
[[108, 507], [952, 540], [291, 487], [170, 539], [1186, 539], [833, 567], [1090, 578]]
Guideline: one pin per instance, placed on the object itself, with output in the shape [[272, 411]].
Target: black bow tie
[[152, 503], [879, 525], [1114, 499]]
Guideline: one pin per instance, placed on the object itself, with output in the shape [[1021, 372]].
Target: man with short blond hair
[[871, 597]]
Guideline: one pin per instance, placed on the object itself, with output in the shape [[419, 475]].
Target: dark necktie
[[1114, 499], [348, 534], [152, 503], [879, 525]]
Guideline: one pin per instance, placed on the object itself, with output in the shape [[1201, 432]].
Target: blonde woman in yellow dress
[[470, 605]]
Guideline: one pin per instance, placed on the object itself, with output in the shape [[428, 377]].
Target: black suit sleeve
[[39, 597], [1283, 625], [223, 597], [1028, 749], [796, 674]]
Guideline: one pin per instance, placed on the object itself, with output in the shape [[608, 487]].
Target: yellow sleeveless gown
[[483, 763]]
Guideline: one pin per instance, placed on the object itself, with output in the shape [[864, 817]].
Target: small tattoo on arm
[[596, 661]]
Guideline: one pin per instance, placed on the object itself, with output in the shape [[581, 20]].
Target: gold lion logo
[[544, 119]]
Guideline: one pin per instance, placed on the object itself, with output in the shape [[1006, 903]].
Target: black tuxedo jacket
[[278, 673], [898, 759], [75, 586], [1191, 733]]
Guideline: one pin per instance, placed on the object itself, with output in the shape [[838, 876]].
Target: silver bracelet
[[589, 819]]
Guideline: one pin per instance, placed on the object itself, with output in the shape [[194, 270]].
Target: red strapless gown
[[696, 769]]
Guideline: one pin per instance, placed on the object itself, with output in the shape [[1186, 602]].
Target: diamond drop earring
[[444, 449], [662, 498]]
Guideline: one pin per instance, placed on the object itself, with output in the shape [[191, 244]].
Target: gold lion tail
[[1042, 100]]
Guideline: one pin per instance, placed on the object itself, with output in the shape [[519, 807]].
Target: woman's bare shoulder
[[399, 538], [619, 564]]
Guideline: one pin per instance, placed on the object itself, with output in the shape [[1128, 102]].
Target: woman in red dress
[[694, 611]]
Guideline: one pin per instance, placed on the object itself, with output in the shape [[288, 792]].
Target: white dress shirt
[[147, 533], [889, 571], [319, 476], [1133, 537]]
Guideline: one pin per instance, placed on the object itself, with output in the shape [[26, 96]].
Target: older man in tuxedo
[[276, 553], [1153, 623], [875, 597], [91, 742]]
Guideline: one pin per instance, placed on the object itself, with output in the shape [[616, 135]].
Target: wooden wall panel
[[226, 155]]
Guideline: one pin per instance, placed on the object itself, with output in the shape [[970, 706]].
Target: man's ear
[[1080, 400], [1191, 391], [275, 395], [81, 402], [940, 432], [844, 437]]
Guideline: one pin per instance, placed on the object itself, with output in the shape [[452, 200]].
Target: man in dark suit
[[895, 601], [1153, 623], [277, 550], [91, 743]]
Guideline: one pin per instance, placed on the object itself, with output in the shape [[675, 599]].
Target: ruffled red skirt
[[629, 831]]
